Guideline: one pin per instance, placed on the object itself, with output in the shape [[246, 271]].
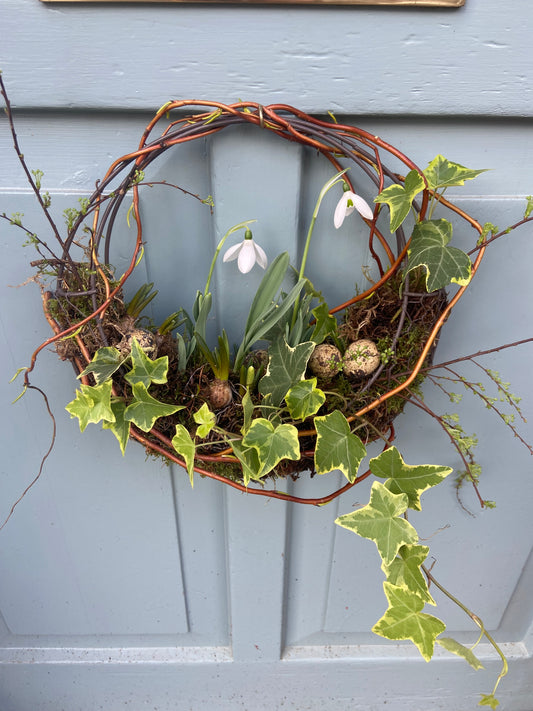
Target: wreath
[[311, 384]]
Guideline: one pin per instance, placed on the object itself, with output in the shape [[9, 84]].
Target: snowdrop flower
[[347, 204], [247, 254]]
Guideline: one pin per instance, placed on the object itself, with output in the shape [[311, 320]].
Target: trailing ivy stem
[[477, 620]]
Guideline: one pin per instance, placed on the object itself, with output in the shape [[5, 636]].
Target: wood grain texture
[[418, 3], [365, 60]]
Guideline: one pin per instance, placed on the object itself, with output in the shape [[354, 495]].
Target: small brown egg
[[145, 339], [325, 361], [361, 359]]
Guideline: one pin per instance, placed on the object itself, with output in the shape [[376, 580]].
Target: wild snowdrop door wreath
[[310, 384]]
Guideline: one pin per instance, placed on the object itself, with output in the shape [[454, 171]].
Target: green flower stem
[[333, 181], [478, 621], [231, 230]]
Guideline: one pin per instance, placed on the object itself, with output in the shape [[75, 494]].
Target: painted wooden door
[[122, 587]]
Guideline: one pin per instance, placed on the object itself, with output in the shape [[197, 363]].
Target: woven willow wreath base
[[86, 307]]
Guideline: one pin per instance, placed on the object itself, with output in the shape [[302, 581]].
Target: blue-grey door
[[120, 586]]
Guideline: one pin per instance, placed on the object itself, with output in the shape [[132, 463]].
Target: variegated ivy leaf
[[286, 367], [489, 700], [442, 173], [105, 362], [451, 645], [205, 419], [405, 572], [399, 198], [183, 444], [402, 478], [304, 399], [443, 265], [92, 404], [145, 370], [404, 619], [336, 446], [380, 522], [325, 324], [272, 444], [145, 409], [249, 459], [120, 427]]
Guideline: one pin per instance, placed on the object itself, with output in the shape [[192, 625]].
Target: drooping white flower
[[347, 204], [247, 253]]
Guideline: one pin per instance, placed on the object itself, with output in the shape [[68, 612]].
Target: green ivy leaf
[[336, 446], [442, 173], [286, 367], [205, 419], [104, 363], [145, 409], [325, 324], [402, 478], [120, 427], [304, 399], [92, 404], [399, 198], [379, 521], [405, 572], [404, 619], [444, 265], [272, 444], [489, 700], [249, 459], [145, 370], [451, 645], [183, 444]]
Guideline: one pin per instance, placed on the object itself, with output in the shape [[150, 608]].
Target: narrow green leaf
[[399, 198], [380, 522], [402, 478], [304, 399], [442, 173], [336, 446], [120, 427], [271, 443], [428, 249], [286, 367], [451, 645], [184, 445], [404, 619], [205, 419], [105, 362], [145, 370], [248, 409], [92, 404], [268, 288], [145, 409]]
